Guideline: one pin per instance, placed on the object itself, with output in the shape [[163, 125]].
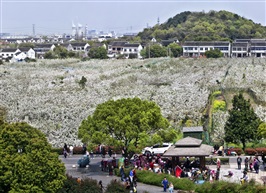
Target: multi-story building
[[198, 48], [258, 47]]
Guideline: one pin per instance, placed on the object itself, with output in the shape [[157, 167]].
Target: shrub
[[250, 151], [226, 187], [217, 93], [261, 150], [87, 185], [78, 150], [219, 105], [116, 187], [59, 151], [152, 178], [238, 150]]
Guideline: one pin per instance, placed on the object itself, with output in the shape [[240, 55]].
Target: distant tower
[[74, 30], [158, 21], [86, 31], [79, 30], [33, 30]]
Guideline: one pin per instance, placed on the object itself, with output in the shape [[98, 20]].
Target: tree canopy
[[154, 51], [242, 124], [98, 53], [214, 53], [122, 122], [205, 26], [27, 164]]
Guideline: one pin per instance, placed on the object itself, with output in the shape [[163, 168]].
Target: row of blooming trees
[[50, 94]]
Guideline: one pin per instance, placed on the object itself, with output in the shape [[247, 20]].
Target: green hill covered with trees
[[201, 26]]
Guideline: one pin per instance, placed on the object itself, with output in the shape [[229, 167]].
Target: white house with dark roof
[[8, 52], [79, 46], [29, 52], [115, 48], [258, 47], [132, 48], [17, 57], [198, 48], [41, 49], [240, 49]]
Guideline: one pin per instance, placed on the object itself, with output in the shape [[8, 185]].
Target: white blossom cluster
[[47, 94]]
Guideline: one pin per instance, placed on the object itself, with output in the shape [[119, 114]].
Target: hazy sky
[[56, 16]]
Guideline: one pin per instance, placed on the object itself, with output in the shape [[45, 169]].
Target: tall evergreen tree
[[242, 124]]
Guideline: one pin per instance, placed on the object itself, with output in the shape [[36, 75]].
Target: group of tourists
[[251, 164]]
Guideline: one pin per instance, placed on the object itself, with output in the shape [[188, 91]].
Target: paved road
[[94, 172]]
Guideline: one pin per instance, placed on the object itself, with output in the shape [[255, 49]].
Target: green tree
[[242, 124], [214, 53], [262, 130], [98, 53], [122, 122], [60, 52], [154, 51], [27, 163], [49, 55], [175, 50]]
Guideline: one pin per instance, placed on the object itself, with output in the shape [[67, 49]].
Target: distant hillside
[[201, 26]]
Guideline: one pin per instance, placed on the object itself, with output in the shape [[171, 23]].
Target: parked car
[[157, 148]]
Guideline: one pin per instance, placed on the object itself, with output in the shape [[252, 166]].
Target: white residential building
[[198, 48]]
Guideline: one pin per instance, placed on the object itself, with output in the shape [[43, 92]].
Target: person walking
[[171, 188], [218, 163], [246, 163], [239, 161], [71, 150], [165, 184]]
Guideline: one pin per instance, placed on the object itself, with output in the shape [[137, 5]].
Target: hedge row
[[254, 151], [148, 177], [227, 187]]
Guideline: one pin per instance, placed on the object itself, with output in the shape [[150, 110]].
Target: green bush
[[219, 105], [152, 178], [87, 185], [116, 187], [217, 93], [226, 187], [59, 151]]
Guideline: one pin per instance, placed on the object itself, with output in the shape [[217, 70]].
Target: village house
[[41, 49], [132, 50], [168, 42], [258, 48], [29, 52], [240, 49], [115, 48], [18, 57], [198, 48], [79, 46], [8, 52]]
